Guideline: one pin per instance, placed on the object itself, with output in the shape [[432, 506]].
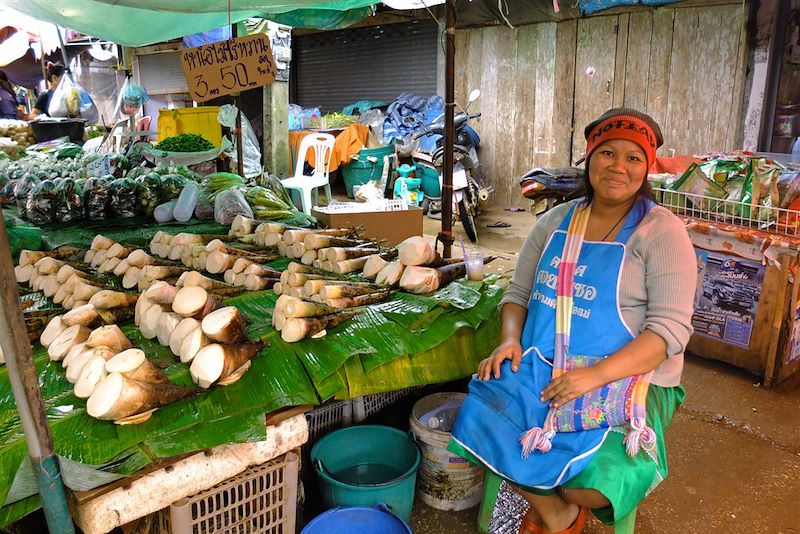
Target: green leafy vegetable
[[185, 143]]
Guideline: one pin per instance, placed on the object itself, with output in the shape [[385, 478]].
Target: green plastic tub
[[366, 465], [362, 170], [430, 181]]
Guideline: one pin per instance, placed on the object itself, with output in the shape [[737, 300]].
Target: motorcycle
[[470, 195], [554, 186]]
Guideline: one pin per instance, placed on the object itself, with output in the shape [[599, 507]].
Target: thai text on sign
[[228, 67]]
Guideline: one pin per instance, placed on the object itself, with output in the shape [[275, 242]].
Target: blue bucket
[[358, 520], [366, 465]]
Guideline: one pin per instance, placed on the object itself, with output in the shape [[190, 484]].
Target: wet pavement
[[733, 448]]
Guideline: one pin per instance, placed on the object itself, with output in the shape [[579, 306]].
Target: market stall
[[427, 330], [741, 214]]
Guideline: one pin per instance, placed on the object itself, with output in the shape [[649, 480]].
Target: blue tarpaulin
[[589, 7]]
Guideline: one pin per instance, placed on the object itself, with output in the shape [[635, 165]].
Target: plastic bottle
[[187, 200], [443, 419], [163, 212]]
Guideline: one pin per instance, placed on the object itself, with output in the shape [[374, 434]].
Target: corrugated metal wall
[[338, 68]]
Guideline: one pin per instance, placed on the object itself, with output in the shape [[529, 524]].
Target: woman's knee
[[589, 498]]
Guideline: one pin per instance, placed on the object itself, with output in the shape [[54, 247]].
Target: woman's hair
[[54, 70], [5, 84]]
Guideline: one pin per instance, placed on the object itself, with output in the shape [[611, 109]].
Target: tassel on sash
[[640, 436], [536, 439]]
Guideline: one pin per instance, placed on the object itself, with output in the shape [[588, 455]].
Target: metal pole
[[237, 101], [446, 234], [25, 386], [63, 49]]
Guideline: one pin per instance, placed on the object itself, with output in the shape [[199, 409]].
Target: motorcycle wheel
[[467, 221]]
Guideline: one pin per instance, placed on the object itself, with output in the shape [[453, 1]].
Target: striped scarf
[[622, 401]]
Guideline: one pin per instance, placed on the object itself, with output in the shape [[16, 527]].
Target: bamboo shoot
[[216, 362], [391, 274], [108, 299], [83, 315], [166, 325], [296, 329], [416, 250], [225, 325], [52, 330], [108, 336], [193, 342], [194, 301], [117, 397], [92, 372], [161, 292], [72, 335], [178, 335]]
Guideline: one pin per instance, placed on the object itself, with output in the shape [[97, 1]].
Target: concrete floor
[[734, 447]]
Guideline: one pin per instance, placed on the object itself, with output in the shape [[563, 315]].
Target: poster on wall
[[793, 354], [726, 297]]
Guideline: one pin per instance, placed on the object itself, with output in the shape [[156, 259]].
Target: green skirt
[[623, 480]]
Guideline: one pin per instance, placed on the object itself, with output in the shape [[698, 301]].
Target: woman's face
[[617, 169], [54, 81]]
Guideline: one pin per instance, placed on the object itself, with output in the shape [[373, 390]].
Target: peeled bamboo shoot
[[83, 315], [216, 362], [101, 242], [70, 336], [390, 275], [93, 371], [108, 336], [194, 301], [373, 266], [178, 335], [108, 299], [416, 250], [52, 330], [225, 325], [294, 307], [117, 397], [194, 341], [166, 325], [48, 265], [296, 329], [161, 292]]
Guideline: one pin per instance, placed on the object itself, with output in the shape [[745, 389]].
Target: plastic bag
[[122, 197], [22, 189], [295, 117], [229, 204], [149, 192], [40, 203], [251, 153], [95, 197], [171, 186], [71, 100], [374, 119], [203, 211], [131, 98], [7, 192], [68, 201]]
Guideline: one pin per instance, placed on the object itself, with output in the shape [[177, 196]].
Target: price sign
[[98, 167], [228, 67]]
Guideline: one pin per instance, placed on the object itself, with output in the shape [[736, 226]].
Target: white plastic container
[[445, 481], [187, 200], [163, 212]]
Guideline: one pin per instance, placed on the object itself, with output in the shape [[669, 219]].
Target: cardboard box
[[393, 226]]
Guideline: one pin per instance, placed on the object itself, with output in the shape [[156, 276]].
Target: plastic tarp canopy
[[143, 22]]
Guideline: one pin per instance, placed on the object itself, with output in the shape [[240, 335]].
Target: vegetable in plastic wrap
[[765, 175], [228, 204], [96, 193], [172, 185], [119, 165], [149, 192], [274, 184], [204, 210], [221, 181], [68, 150], [7, 192], [122, 198], [131, 97], [41, 202], [21, 190], [69, 201]]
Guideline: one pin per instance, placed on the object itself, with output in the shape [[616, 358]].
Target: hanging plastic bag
[[132, 97], [251, 154], [71, 100]]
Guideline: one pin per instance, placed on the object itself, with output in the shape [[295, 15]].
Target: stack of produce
[[310, 301], [18, 131]]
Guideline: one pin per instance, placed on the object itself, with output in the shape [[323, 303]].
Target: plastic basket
[[262, 499], [201, 120], [329, 416], [367, 166], [368, 405]]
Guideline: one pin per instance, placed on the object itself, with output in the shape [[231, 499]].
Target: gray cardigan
[[657, 285]]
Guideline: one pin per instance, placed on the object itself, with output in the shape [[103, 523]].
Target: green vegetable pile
[[185, 143]]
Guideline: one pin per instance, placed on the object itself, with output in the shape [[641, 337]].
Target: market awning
[[140, 23]]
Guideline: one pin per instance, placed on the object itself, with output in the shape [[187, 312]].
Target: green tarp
[[143, 22]]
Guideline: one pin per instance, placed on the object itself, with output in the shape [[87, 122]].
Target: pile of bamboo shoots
[[309, 302]]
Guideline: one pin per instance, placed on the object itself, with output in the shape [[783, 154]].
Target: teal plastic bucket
[[358, 520], [366, 465], [430, 181], [363, 170]]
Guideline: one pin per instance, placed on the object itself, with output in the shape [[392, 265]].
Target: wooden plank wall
[[685, 66]]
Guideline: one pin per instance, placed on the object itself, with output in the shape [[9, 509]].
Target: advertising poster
[[726, 297]]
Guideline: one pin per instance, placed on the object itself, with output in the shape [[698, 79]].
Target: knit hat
[[628, 124]]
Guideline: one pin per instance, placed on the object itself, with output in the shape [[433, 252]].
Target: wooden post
[[277, 157], [446, 234], [25, 387], [237, 101]]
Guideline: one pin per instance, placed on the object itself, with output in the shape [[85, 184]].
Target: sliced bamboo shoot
[[118, 251], [117, 397], [296, 329], [216, 362], [278, 320], [140, 258], [167, 324], [229, 277], [94, 370], [149, 322], [52, 330], [218, 262], [48, 265], [108, 299], [66, 271], [258, 283], [101, 242], [61, 294], [225, 325], [193, 342], [240, 265], [277, 288], [70, 336], [161, 292], [23, 273], [161, 272], [84, 291], [349, 266], [108, 336], [121, 268], [142, 305], [194, 301], [272, 240], [295, 307], [178, 335], [390, 275], [131, 278], [74, 351], [49, 285], [99, 257], [373, 266], [82, 315]]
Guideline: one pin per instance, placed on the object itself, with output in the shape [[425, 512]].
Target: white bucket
[[445, 481]]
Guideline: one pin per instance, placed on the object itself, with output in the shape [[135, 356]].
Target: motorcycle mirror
[[474, 95]]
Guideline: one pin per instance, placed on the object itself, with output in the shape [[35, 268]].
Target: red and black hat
[[628, 124]]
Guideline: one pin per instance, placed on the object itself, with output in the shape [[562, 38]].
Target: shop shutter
[[162, 73], [338, 68]]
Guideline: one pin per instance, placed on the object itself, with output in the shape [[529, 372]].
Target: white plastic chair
[[322, 144]]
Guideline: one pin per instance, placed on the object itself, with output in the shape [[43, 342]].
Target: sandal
[[528, 526], [576, 527]]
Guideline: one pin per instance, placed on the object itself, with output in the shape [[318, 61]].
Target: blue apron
[[498, 411]]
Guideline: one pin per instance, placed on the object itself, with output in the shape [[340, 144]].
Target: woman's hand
[[508, 350], [572, 385]]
